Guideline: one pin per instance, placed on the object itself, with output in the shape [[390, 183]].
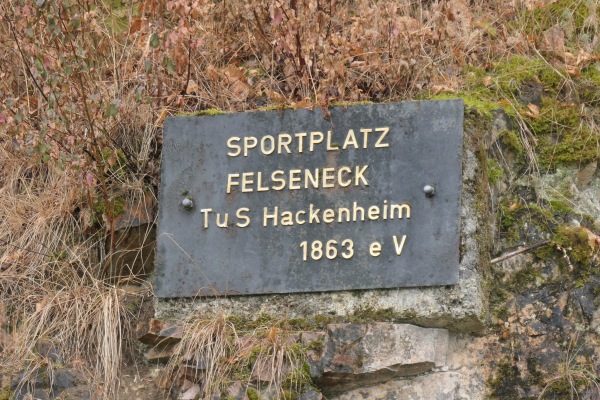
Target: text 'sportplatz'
[[298, 201]]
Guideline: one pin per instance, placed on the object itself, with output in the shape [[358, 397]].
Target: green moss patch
[[506, 382], [208, 112]]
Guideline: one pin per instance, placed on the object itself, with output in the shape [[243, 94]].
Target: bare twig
[[519, 251]]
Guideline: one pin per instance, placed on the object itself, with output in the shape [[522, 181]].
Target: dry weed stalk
[[573, 376], [86, 85], [204, 351], [212, 354]]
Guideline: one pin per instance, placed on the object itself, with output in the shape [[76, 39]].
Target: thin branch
[[519, 251], [12, 29]]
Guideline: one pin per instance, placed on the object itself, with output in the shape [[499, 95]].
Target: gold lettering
[[298, 220], [350, 139], [233, 146], [400, 208], [355, 210], [275, 179], [250, 142], [262, 145], [343, 210], [373, 213], [247, 181], [260, 187], [294, 178], [300, 137], [365, 133], [284, 144], [399, 246], [266, 216], [327, 177], [287, 218], [313, 215], [329, 146], [206, 211], [239, 215], [313, 140], [231, 182], [359, 175], [222, 224], [328, 216], [385, 209], [384, 132], [314, 179], [375, 249], [340, 177]]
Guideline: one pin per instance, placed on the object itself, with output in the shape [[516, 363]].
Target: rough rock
[[160, 353], [311, 394], [439, 386], [191, 393], [63, 379], [237, 391], [161, 333], [357, 355]]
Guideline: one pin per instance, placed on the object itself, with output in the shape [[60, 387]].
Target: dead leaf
[[437, 89], [162, 116], [593, 238], [583, 57], [272, 334], [274, 96], [192, 87], [234, 73], [554, 41], [277, 16], [487, 81], [90, 179], [533, 112], [302, 104], [574, 72], [137, 24]]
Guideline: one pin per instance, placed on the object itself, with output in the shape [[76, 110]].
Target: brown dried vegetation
[[86, 84]]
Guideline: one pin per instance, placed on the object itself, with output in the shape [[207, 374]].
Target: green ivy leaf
[[112, 110], [154, 40]]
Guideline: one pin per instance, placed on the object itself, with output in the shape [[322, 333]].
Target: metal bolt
[[429, 190], [188, 204]]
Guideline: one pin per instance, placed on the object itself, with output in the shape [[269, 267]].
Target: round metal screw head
[[187, 203], [429, 190]]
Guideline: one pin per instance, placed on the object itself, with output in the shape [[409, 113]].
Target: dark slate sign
[[365, 196]]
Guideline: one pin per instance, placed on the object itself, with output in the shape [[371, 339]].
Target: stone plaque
[[357, 197]]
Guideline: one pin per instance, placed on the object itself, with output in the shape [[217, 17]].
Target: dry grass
[[214, 354], [573, 377], [85, 87]]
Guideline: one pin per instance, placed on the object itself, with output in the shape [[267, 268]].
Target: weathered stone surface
[[191, 393], [311, 394], [237, 391], [63, 379], [164, 379], [358, 355], [160, 353], [580, 189], [161, 333], [46, 348], [438, 386], [42, 383], [462, 378], [134, 239]]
